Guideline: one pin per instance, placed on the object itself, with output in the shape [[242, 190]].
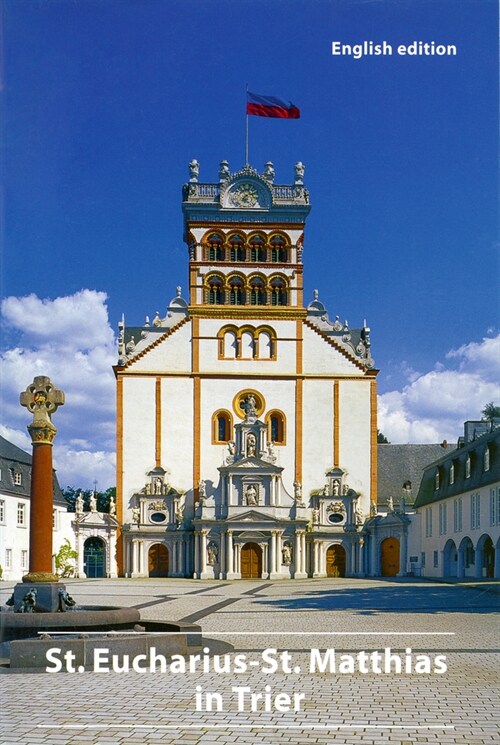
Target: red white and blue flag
[[271, 106]]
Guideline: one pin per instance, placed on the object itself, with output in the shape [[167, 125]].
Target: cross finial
[[42, 399]]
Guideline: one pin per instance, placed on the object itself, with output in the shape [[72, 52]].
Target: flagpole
[[246, 130]]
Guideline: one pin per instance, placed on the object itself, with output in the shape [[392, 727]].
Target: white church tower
[[246, 422]]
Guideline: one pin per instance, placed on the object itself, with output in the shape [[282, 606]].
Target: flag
[[271, 106]]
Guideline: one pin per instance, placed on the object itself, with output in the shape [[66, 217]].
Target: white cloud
[[434, 405], [69, 339]]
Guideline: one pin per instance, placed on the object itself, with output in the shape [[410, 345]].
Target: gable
[[324, 355]]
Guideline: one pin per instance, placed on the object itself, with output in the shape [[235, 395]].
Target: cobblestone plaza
[[460, 705]]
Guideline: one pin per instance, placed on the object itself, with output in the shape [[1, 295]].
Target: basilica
[[246, 417]]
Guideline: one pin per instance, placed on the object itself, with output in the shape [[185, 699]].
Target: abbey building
[[247, 434]]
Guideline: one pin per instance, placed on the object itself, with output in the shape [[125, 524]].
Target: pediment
[[97, 519], [251, 515], [252, 464]]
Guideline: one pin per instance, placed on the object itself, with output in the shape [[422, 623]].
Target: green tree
[[491, 411], [381, 438], [70, 494], [65, 559]]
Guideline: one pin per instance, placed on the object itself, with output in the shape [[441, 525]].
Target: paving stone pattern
[[458, 707]]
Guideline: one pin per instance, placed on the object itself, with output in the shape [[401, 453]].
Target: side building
[[15, 487], [459, 507], [246, 421]]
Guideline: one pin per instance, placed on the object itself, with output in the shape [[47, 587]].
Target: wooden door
[[389, 557], [335, 561], [158, 560], [251, 561]]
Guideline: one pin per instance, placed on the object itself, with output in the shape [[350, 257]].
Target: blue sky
[[106, 101]]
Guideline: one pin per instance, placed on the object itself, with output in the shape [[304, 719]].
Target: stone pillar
[[205, 574], [300, 555], [403, 553], [276, 555], [196, 573], [222, 557], [316, 572], [80, 572], [230, 573], [42, 399]]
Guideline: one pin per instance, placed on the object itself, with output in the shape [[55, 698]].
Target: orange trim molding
[[158, 421], [336, 424], [374, 449]]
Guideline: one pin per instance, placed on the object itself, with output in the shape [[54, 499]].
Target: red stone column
[[41, 509], [42, 399]]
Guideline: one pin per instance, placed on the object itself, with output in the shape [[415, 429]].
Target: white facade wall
[[355, 436], [15, 536], [317, 433], [139, 434], [177, 431], [475, 525]]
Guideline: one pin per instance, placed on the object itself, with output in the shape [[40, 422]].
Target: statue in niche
[[136, 515], [251, 496], [315, 516], [373, 510], [390, 505], [251, 445], [297, 488], [112, 507], [212, 554], [249, 406], [79, 504], [345, 489], [157, 485], [231, 446], [202, 489], [179, 516], [93, 502], [286, 553], [336, 488]]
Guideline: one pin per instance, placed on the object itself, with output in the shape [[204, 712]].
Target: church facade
[[246, 420]]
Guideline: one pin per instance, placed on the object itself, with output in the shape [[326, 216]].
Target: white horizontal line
[[254, 633], [230, 725]]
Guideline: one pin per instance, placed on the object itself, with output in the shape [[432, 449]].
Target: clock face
[[245, 195]]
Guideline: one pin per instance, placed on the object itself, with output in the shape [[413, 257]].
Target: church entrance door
[[158, 560], [251, 561], [335, 561], [389, 557], [94, 558]]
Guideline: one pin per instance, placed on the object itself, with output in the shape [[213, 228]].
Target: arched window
[[230, 345], [279, 252], [257, 291], [222, 427], [278, 291], [215, 290], [236, 293], [247, 345], [236, 248], [266, 346], [215, 248], [257, 249], [276, 427]]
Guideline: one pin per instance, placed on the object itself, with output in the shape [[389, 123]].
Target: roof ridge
[[333, 343], [155, 343]]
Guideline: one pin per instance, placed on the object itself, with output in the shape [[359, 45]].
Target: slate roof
[[14, 460], [400, 463], [428, 494]]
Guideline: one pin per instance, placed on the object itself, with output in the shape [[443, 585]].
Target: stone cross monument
[[42, 399]]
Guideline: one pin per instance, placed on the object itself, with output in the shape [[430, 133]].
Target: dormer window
[[467, 467], [436, 480], [452, 474], [486, 460]]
